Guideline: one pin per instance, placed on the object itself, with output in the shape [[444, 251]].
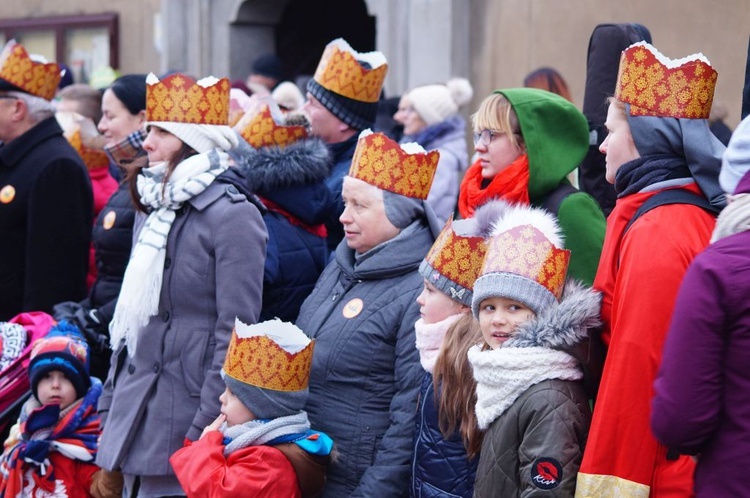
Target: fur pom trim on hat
[[539, 218], [436, 103]]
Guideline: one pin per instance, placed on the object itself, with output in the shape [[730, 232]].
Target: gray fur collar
[[563, 325], [271, 168]]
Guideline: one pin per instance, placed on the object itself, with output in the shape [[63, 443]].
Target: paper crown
[[258, 357], [454, 262], [262, 130], [82, 136], [525, 251], [180, 99], [339, 71], [36, 78], [380, 161], [655, 85]]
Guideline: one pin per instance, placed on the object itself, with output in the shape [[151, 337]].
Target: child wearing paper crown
[[530, 398], [447, 440], [261, 444], [52, 450]]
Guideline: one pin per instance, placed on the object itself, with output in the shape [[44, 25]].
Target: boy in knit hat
[[261, 444], [54, 446], [525, 378]]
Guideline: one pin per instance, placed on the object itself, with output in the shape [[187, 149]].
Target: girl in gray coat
[[196, 265], [530, 398]]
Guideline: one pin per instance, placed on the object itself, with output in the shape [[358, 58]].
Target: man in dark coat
[[342, 100], [46, 199]]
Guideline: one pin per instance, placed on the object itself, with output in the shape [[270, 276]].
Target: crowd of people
[[248, 292]]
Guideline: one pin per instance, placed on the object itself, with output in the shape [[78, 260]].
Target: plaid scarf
[[74, 433], [141, 284], [127, 150]]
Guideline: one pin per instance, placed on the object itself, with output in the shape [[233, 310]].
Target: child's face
[[499, 317], [56, 389], [234, 410], [434, 306]]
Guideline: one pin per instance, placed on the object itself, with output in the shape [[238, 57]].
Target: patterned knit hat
[[63, 349], [455, 259], [268, 367], [524, 261], [348, 83]]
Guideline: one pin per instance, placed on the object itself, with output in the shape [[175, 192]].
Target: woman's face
[[434, 306], [364, 219], [161, 145], [619, 146], [408, 117], [495, 151], [117, 122]]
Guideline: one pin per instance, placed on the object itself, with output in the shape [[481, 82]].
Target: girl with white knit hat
[[530, 396], [196, 265]]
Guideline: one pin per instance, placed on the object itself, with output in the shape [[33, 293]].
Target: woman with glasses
[[527, 141]]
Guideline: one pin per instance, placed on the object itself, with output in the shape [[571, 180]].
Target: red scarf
[[511, 184]]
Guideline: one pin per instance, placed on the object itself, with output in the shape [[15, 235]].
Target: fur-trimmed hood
[[272, 168], [563, 325]]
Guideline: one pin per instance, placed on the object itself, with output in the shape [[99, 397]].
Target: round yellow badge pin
[[109, 220], [353, 308], [7, 194]]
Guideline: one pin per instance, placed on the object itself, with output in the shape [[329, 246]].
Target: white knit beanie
[[736, 160], [200, 137], [436, 103]]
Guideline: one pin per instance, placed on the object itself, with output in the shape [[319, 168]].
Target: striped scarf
[[141, 285], [74, 434]]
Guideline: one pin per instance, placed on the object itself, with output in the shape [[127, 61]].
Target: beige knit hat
[[436, 103]]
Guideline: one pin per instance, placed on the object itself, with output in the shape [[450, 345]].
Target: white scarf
[[260, 432], [504, 374], [430, 339], [141, 284], [734, 218]]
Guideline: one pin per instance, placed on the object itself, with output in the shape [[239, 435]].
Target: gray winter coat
[[366, 372], [535, 447], [213, 272]]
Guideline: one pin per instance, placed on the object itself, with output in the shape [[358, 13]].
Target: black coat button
[[167, 263], [165, 316], [156, 368], [131, 369]]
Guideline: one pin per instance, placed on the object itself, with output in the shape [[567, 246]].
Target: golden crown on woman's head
[[180, 99]]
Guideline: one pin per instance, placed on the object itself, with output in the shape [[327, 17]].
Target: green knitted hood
[[556, 135]]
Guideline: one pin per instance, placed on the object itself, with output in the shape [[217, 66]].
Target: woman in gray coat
[[196, 265], [366, 373]]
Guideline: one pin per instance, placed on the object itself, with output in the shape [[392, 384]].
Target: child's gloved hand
[[214, 426]]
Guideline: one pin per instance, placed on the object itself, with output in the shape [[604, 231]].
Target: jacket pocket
[[427, 490], [192, 360]]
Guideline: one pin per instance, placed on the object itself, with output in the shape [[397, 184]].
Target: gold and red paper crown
[[339, 71], [92, 157], [457, 257], [82, 135], [380, 161], [260, 361], [263, 131], [524, 250], [655, 85], [180, 99], [36, 78]]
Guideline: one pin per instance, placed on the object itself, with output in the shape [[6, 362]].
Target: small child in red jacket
[[261, 444], [52, 449]]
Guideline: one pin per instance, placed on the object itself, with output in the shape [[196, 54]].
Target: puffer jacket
[[436, 455], [537, 432], [290, 182]]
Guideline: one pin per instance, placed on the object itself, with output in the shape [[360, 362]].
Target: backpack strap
[[672, 196], [553, 200]]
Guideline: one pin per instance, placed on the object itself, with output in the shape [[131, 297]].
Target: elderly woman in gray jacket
[[196, 266], [366, 373]]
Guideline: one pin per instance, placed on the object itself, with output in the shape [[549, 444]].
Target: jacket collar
[[12, 152]]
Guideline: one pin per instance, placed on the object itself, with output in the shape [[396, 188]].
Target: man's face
[[323, 123]]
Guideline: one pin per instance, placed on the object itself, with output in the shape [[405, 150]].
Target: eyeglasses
[[485, 137]]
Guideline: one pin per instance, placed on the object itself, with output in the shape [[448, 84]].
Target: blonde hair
[[496, 113], [454, 380]]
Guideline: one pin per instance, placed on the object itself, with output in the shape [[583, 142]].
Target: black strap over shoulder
[[552, 201], [671, 196]]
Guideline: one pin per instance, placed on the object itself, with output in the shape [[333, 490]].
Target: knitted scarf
[[639, 174], [290, 429], [511, 185], [734, 218], [430, 339], [141, 285], [504, 374], [74, 433]]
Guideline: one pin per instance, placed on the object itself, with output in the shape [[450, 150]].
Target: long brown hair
[[131, 175], [454, 379]]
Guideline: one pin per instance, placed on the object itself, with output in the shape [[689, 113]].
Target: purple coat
[[702, 401]]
